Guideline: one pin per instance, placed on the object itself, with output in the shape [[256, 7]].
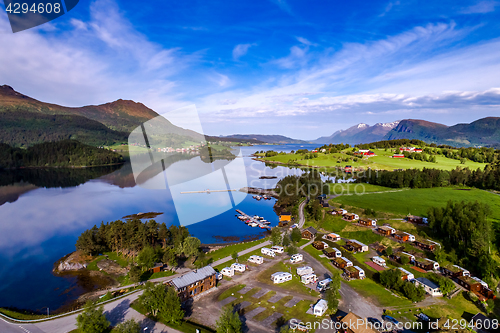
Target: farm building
[[426, 264], [416, 219], [280, 277], [454, 270], [256, 259], [320, 308], [332, 237], [332, 253], [350, 217], [296, 258], [309, 233], [194, 282], [430, 287], [355, 272], [386, 230], [379, 261], [368, 222], [308, 278], [304, 270], [405, 275], [341, 262], [357, 246]]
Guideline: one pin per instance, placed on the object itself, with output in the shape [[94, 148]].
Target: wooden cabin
[[318, 245], [401, 236], [386, 230], [285, 217], [332, 237], [454, 271], [341, 262], [309, 233], [357, 246], [194, 282], [368, 223], [157, 267], [350, 217], [416, 219], [354, 272], [426, 264], [332, 253], [425, 244]]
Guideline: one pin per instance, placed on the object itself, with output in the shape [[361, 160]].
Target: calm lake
[[44, 211]]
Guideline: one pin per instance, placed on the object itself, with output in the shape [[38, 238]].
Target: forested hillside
[[67, 153]]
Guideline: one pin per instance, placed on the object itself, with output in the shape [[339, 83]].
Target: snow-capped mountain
[[360, 133]]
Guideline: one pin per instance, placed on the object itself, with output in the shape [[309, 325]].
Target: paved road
[[302, 218], [253, 248]]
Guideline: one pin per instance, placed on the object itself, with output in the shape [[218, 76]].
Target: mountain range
[[276, 139], [360, 133]]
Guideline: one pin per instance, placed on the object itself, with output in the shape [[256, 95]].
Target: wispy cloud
[[240, 50], [482, 7]]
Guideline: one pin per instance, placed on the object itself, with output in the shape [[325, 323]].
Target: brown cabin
[[425, 245], [416, 219], [454, 271], [318, 245], [470, 284], [309, 233], [368, 223], [350, 216], [341, 263], [401, 236], [157, 268], [384, 230], [194, 282], [424, 264], [352, 272], [330, 253]]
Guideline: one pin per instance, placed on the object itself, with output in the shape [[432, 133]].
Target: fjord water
[[40, 223]]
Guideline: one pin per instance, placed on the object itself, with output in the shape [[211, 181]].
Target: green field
[[230, 249], [382, 160], [418, 201], [356, 188]]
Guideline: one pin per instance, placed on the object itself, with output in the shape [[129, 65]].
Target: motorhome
[[256, 259], [227, 271], [320, 308], [379, 261], [324, 284], [268, 252], [278, 249], [296, 258], [308, 278], [280, 277], [304, 270], [238, 267]]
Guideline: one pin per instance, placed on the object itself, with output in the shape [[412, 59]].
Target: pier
[[253, 221]]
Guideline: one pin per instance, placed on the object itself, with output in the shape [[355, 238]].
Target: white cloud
[[481, 7], [240, 50], [304, 41]]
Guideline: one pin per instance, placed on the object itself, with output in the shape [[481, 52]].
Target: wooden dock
[[256, 221]]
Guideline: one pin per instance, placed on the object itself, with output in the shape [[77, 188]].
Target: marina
[[253, 221], [260, 197]]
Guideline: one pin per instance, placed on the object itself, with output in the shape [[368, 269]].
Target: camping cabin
[[227, 271], [361, 325], [405, 275], [341, 262], [296, 258], [385, 230], [354, 272], [332, 237], [194, 282], [308, 278], [332, 253], [238, 267], [350, 217], [338, 211], [454, 271], [470, 284], [401, 236], [280, 277], [256, 259], [357, 246], [309, 233], [320, 308], [157, 267], [416, 219], [278, 249], [426, 244], [323, 284], [268, 252], [318, 245], [430, 287], [285, 217], [426, 264], [304, 270], [379, 261], [368, 223]]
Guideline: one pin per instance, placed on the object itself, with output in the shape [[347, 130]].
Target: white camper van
[[324, 284], [238, 267], [256, 259], [227, 271], [304, 270], [379, 261], [296, 258], [280, 277], [308, 278], [320, 308], [268, 252], [278, 249]]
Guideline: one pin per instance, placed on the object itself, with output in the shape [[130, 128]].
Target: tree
[[291, 250], [296, 235], [229, 322], [286, 240], [147, 257], [169, 257], [388, 251], [191, 246], [92, 319], [162, 302], [332, 298], [129, 326], [276, 237], [390, 277], [134, 274], [234, 255], [405, 260], [174, 313]]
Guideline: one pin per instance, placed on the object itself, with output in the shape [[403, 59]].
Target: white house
[[238, 267], [320, 308], [308, 278], [278, 249], [338, 254], [280, 277], [323, 284], [227, 271], [304, 270], [268, 252], [361, 272], [430, 287], [411, 238], [296, 258], [408, 276], [256, 259], [379, 261]]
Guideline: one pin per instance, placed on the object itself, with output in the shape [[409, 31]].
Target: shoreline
[[63, 167]]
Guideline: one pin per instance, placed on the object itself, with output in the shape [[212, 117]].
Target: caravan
[[227, 271], [256, 259], [296, 258], [304, 270], [268, 252], [379, 261], [238, 267], [278, 249], [280, 277], [324, 284], [308, 278]]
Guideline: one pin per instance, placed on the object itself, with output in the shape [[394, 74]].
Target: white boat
[[252, 224]]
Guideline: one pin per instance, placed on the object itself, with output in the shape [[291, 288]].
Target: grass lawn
[[325, 261], [378, 294], [25, 315], [356, 188], [230, 249], [242, 260], [418, 201]]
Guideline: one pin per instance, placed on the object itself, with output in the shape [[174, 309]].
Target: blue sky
[[298, 68]]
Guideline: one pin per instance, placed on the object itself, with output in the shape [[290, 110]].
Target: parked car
[[374, 321], [423, 317], [390, 319]]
